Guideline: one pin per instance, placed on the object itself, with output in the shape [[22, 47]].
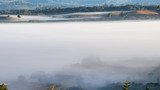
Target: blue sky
[[55, 3]]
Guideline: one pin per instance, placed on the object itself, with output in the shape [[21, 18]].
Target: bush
[[3, 87]]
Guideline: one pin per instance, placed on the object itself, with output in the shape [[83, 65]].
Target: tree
[[123, 14], [126, 85], [158, 7], [147, 88], [109, 14], [3, 87]]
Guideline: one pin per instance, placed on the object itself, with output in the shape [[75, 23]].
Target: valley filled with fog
[[80, 53]]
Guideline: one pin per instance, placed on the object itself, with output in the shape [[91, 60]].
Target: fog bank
[[91, 50]]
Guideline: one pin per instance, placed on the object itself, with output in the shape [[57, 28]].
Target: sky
[[92, 50], [30, 4]]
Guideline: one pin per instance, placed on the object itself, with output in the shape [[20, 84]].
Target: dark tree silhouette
[[3, 87], [126, 85], [147, 88]]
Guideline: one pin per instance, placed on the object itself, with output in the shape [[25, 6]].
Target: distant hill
[[31, 4], [49, 10]]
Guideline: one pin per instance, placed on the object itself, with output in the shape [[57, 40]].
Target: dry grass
[[146, 12]]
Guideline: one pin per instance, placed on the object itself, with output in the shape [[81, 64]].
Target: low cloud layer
[[90, 72], [88, 54]]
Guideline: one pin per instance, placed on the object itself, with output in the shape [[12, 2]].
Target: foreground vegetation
[[114, 86], [3, 87]]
